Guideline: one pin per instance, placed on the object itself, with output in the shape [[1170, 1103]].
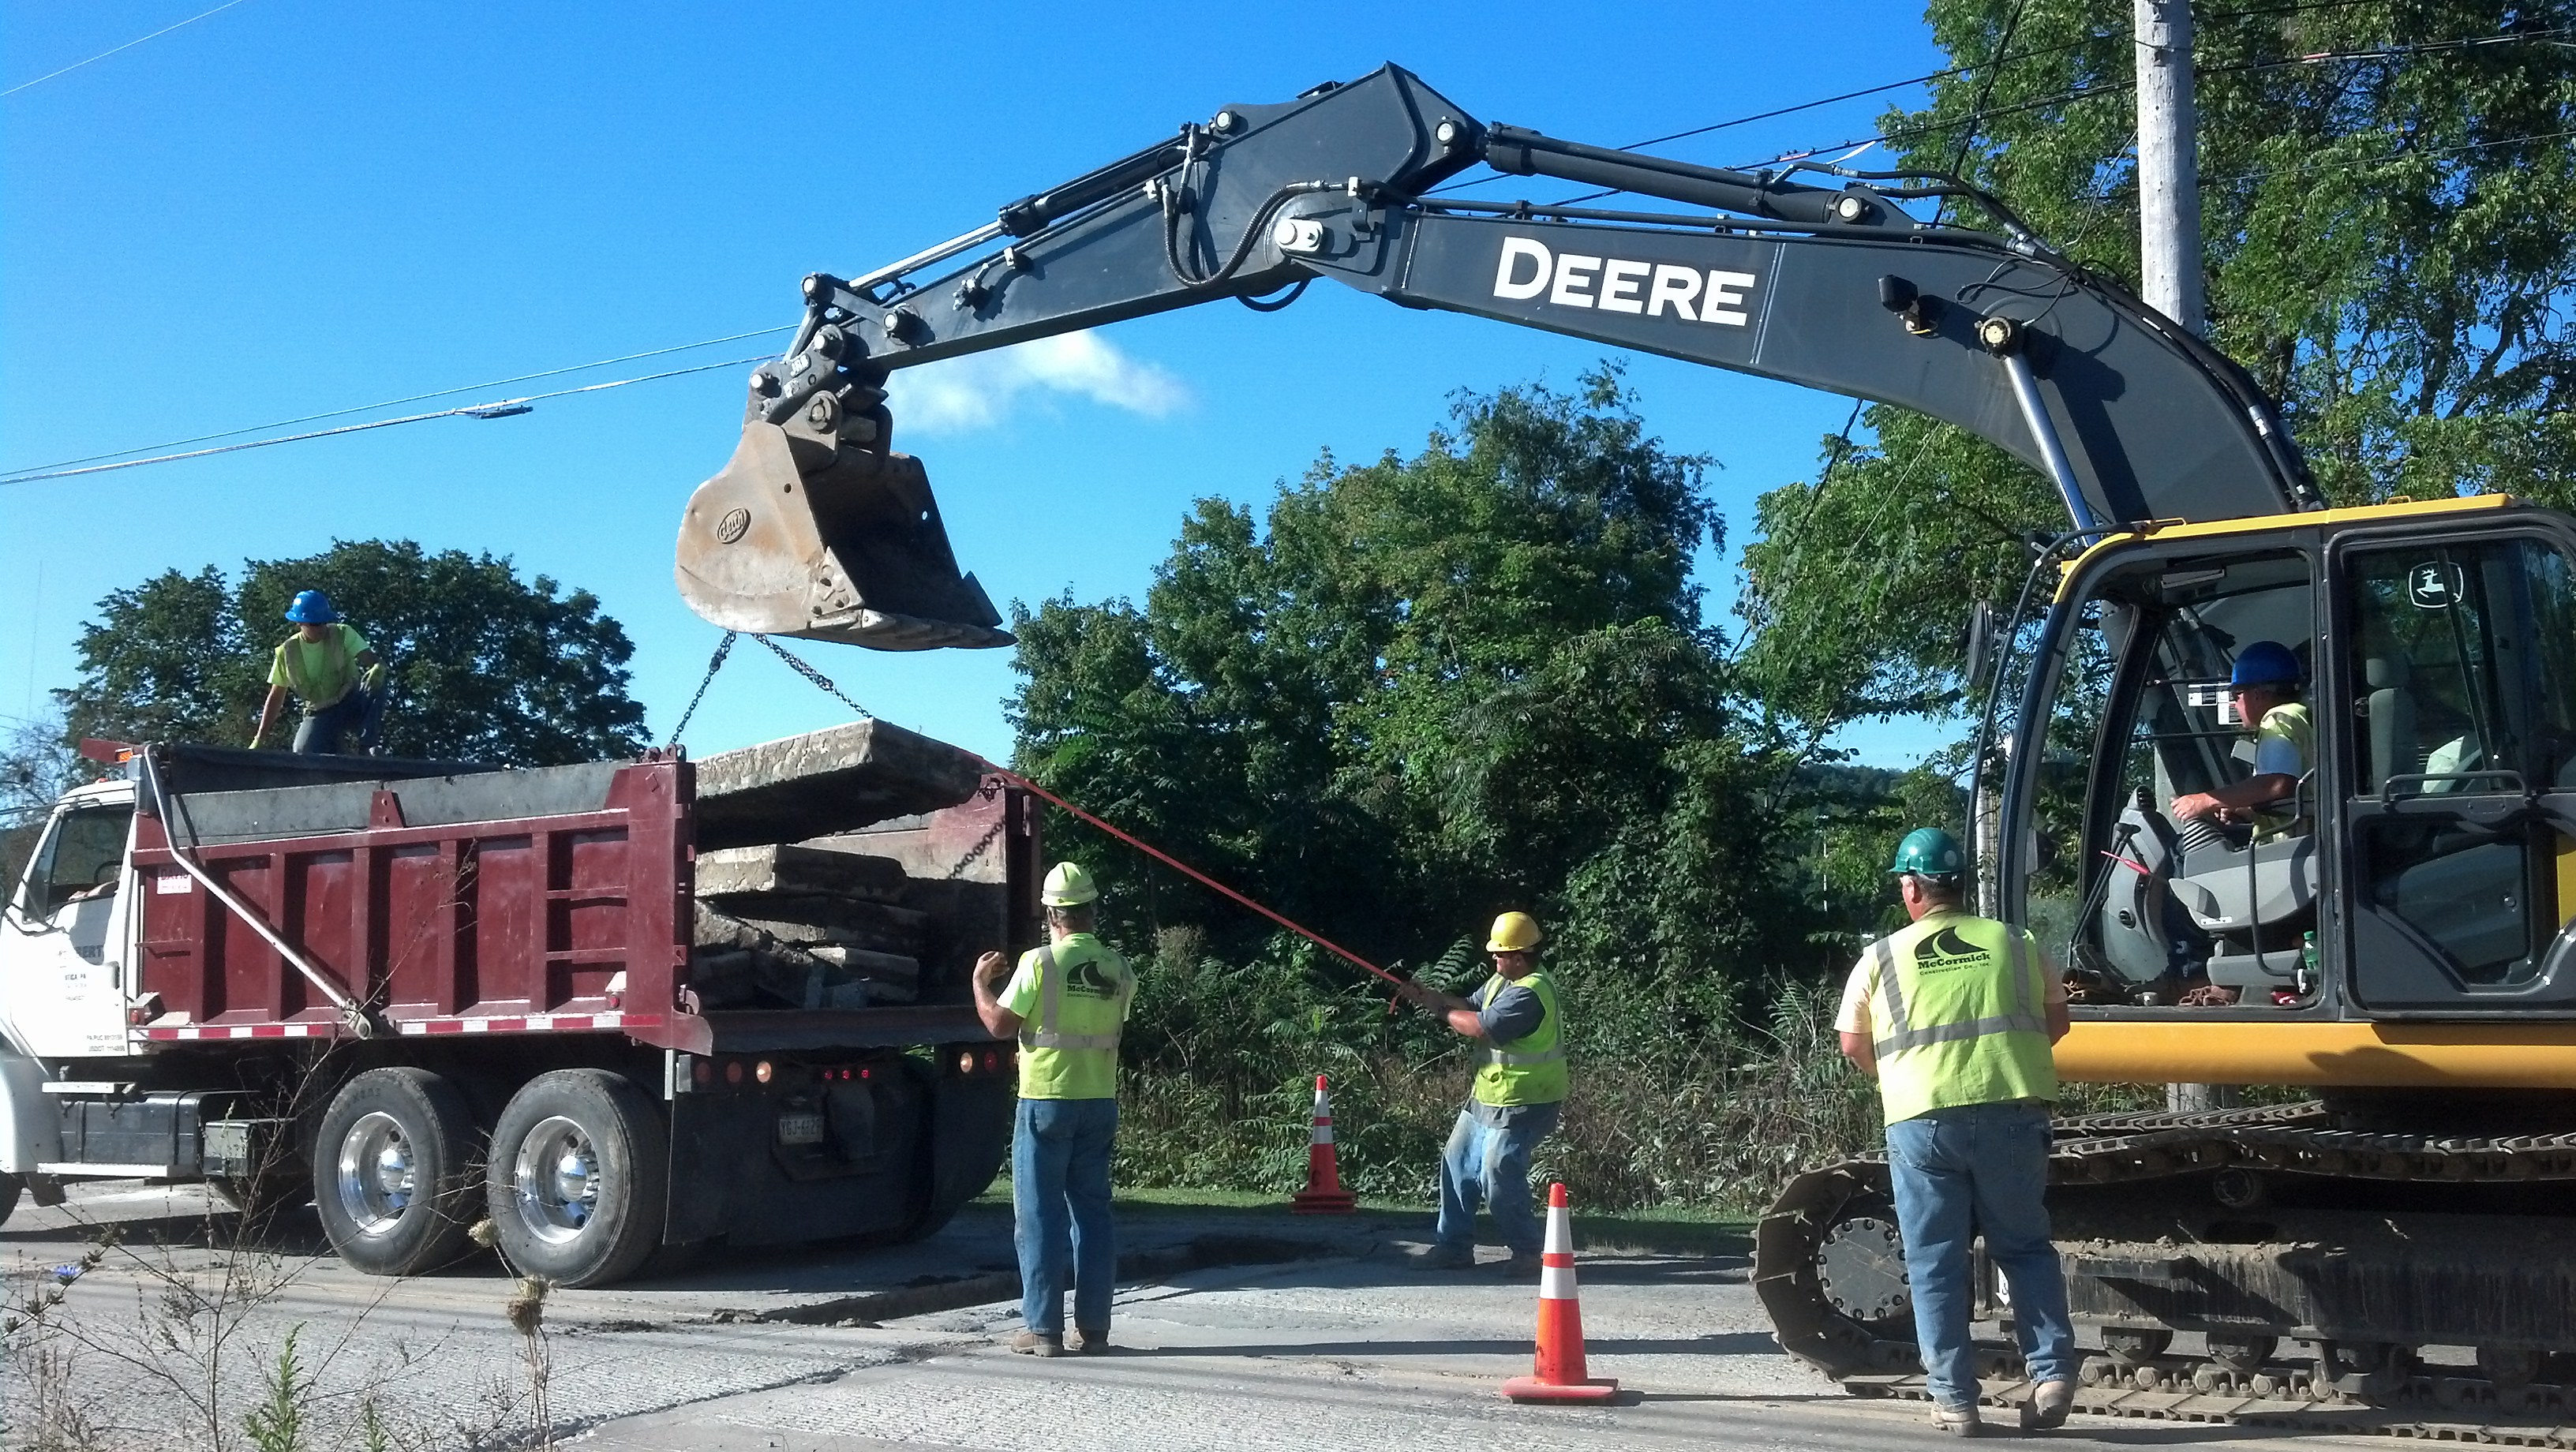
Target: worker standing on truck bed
[[1064, 1003], [1955, 1016], [1517, 1096], [335, 672]]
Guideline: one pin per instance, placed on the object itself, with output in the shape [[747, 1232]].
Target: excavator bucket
[[848, 547]]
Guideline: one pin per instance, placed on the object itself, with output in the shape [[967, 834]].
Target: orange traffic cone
[[1323, 1194], [1558, 1373]]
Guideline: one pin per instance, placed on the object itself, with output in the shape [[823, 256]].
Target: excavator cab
[[816, 528], [2426, 863]]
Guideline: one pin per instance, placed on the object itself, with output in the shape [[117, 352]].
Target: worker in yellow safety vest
[[1065, 1004], [1516, 1099], [328, 665], [1956, 1016]]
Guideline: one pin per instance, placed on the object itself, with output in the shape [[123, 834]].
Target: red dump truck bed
[[551, 900]]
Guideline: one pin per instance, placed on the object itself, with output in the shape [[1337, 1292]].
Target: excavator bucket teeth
[[852, 551]]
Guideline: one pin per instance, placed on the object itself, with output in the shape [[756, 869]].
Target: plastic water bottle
[[2307, 963]]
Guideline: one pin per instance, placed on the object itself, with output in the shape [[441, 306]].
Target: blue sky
[[292, 206]]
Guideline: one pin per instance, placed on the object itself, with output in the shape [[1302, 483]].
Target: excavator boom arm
[[817, 528]]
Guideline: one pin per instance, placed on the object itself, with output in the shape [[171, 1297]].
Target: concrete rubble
[[822, 782]]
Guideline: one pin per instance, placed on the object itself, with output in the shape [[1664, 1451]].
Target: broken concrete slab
[[786, 868], [834, 780]]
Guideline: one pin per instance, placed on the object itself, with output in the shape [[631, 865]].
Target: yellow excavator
[[2397, 1252]]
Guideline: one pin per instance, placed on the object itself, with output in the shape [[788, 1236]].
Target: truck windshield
[[81, 855]]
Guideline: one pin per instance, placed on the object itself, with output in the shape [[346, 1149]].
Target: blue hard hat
[[311, 607], [1929, 852], [2266, 663]]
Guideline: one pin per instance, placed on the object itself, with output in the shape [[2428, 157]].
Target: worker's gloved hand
[[375, 676]]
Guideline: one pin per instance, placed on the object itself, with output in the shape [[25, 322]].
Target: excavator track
[[2257, 1229]]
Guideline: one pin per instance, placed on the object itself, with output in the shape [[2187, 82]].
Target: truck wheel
[[393, 1172], [578, 1177], [9, 1188]]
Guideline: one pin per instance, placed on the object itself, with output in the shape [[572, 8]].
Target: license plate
[[800, 1127]]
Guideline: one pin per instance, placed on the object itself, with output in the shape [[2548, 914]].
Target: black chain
[[811, 674], [715, 663]]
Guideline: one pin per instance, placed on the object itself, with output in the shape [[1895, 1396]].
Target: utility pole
[[2169, 266], [2168, 164]]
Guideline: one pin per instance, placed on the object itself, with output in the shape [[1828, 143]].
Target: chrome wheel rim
[[556, 1176], [377, 1176]]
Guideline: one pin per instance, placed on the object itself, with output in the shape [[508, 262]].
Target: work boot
[[1090, 1343], [1957, 1421], [1037, 1343], [2048, 1406], [1521, 1267]]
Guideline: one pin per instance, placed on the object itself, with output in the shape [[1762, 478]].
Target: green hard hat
[[1929, 852]]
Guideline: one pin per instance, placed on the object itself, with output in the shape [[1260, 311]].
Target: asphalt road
[[1219, 1345]]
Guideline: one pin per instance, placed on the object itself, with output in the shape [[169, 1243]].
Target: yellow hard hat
[[1514, 933], [1068, 885]]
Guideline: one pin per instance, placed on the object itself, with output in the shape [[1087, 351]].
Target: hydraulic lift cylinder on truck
[[669, 1021]]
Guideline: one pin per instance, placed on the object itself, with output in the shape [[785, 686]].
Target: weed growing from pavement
[[175, 1341]]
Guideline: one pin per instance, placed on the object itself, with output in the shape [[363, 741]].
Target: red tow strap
[[1177, 865]]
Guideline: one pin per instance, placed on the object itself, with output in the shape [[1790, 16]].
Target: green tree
[[1425, 689], [486, 666], [2390, 249]]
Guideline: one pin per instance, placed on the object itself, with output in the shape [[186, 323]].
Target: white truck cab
[[66, 949], [66, 940]]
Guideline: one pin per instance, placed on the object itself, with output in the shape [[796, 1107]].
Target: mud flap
[[809, 536]]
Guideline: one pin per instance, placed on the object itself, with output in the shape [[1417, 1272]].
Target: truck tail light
[[733, 1071], [760, 1071], [966, 1062]]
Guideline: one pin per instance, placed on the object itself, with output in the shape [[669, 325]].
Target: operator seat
[[2390, 710], [2253, 902]]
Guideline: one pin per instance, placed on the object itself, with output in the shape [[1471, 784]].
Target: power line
[[1999, 60], [286, 423], [129, 45], [2109, 88], [501, 408]]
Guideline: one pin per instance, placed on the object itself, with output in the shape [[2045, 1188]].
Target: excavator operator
[[2266, 682]]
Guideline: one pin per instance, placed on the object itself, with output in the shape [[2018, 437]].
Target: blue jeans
[[362, 711], [1060, 1211], [1982, 1167], [1491, 1163]]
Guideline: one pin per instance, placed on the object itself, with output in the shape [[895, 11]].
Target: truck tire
[[9, 1188], [578, 1178], [394, 1172]]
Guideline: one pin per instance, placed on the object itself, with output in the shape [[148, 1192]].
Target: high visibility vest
[[2290, 723], [1069, 1050], [1959, 1016], [338, 675], [1525, 1070]]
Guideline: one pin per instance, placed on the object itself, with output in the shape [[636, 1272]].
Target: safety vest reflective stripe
[[1900, 1036], [1050, 1013]]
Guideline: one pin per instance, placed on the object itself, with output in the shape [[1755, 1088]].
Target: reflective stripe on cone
[[1557, 1372], [1323, 1194]]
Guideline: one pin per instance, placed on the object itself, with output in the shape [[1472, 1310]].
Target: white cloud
[[980, 389]]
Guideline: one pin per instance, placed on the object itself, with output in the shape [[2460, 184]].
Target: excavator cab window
[[2462, 817], [2163, 908]]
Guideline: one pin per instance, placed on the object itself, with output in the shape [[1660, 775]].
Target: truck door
[[63, 944], [2459, 684]]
